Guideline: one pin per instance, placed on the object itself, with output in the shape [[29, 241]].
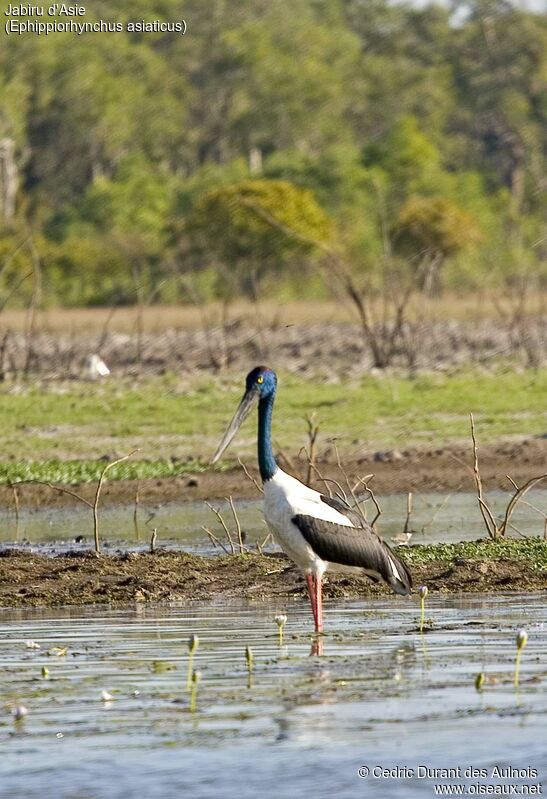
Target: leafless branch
[[238, 526], [224, 527], [487, 515], [250, 477], [215, 541], [95, 504], [313, 432]]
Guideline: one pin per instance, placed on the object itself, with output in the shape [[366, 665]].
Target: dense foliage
[[132, 165]]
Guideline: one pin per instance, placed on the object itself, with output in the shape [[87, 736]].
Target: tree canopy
[[131, 158]]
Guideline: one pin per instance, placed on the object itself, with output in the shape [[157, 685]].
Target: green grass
[[533, 550], [82, 471], [45, 426]]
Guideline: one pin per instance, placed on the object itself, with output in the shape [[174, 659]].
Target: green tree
[[256, 227]]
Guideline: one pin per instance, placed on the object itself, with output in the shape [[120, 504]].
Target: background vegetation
[[46, 429], [237, 159]]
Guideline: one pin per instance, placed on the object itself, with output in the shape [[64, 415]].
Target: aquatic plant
[[479, 681], [422, 592], [249, 659], [522, 640], [193, 643], [280, 620], [195, 678], [19, 712], [45, 672]]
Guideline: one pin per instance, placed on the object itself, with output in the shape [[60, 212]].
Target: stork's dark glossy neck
[[266, 460]]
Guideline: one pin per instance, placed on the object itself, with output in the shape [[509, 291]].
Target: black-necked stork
[[316, 531]]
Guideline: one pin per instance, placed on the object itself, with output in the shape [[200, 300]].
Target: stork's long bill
[[248, 402]]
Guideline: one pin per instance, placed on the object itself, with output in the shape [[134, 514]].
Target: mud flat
[[417, 469], [30, 580]]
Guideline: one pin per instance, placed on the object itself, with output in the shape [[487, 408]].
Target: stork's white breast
[[286, 497]]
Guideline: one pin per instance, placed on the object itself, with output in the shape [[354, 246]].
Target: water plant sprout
[[195, 678], [522, 640], [280, 620], [249, 659], [19, 712], [423, 592], [193, 643]]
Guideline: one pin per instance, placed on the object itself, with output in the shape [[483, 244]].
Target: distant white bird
[[316, 531], [97, 367], [402, 539]]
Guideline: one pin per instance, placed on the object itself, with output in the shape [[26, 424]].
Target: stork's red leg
[[318, 605], [312, 592]]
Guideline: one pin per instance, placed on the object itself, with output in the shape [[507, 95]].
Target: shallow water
[[435, 517], [381, 695]]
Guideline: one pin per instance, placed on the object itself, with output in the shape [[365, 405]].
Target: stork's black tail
[[394, 571]]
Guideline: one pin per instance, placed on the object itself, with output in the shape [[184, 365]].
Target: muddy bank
[[28, 580], [395, 471]]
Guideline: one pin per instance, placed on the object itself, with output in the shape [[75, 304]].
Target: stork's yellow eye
[[260, 379]]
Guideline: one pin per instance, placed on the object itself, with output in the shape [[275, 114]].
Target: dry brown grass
[[471, 306]]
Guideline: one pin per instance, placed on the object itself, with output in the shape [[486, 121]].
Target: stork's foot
[[317, 647]]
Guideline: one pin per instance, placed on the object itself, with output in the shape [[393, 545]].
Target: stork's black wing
[[355, 518], [355, 546]]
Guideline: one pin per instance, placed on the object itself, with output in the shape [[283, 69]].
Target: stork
[[317, 532]]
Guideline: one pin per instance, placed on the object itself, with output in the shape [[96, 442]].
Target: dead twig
[[260, 546], [16, 506], [250, 477], [311, 452], [486, 513], [214, 540], [224, 527], [372, 496], [238, 526], [406, 528], [516, 498], [136, 512], [94, 506], [495, 530], [436, 513]]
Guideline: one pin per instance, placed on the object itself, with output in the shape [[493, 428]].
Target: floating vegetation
[[522, 640], [532, 550], [45, 672], [193, 643], [160, 666], [58, 651]]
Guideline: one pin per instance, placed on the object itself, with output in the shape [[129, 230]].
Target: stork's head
[[262, 380], [260, 383]]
